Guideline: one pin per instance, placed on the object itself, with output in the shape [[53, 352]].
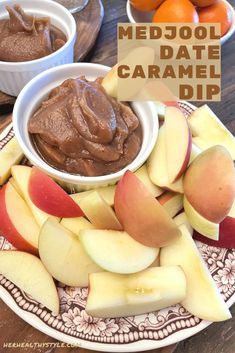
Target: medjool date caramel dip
[[25, 37], [81, 130]]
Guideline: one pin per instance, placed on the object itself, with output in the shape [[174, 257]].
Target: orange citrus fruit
[[203, 3], [177, 11], [220, 12], [145, 5]]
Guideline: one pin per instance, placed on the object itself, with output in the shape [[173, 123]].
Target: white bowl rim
[[222, 39], [73, 178], [10, 64]]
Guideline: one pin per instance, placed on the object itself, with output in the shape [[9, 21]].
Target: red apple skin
[[141, 215], [226, 235], [50, 197], [9, 231], [172, 104]]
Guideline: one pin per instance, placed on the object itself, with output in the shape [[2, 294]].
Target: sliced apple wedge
[[113, 86], [110, 82], [22, 175], [202, 225], [141, 214], [157, 166], [209, 131], [203, 298], [194, 152], [10, 155], [28, 273], [180, 219], [76, 224], [63, 255], [16, 187], [116, 251], [17, 222], [161, 107], [99, 213], [209, 183], [50, 197], [172, 202], [178, 139], [142, 174], [125, 295], [226, 233], [106, 192]]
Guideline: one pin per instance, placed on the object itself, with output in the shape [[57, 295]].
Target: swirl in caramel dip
[[80, 129], [24, 37]]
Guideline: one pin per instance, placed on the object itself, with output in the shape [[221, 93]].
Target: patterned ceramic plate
[[127, 334]]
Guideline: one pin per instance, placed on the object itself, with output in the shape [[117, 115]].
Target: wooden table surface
[[218, 337]]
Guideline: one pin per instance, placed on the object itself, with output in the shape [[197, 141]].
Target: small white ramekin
[[15, 75], [37, 90]]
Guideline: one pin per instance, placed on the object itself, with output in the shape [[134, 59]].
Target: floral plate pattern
[[126, 334]]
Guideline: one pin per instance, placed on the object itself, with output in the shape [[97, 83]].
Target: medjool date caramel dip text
[[81, 130], [25, 37]]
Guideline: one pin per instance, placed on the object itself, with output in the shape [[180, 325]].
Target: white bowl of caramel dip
[[69, 127], [35, 36]]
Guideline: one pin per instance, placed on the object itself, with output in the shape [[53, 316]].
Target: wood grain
[[218, 337], [5, 99], [5, 121], [89, 21]]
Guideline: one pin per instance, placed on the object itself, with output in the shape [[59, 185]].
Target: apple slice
[[157, 165], [202, 225], [126, 295], [141, 214], [76, 224], [172, 202], [114, 86], [178, 141], [203, 298], [110, 82], [194, 152], [180, 219], [16, 187], [28, 273], [99, 213], [142, 174], [117, 251], [106, 192], [63, 255], [22, 175], [50, 197], [161, 107], [17, 223], [209, 131], [209, 184], [226, 233], [10, 155]]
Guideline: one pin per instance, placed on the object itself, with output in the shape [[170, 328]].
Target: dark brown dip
[[82, 130], [24, 37]]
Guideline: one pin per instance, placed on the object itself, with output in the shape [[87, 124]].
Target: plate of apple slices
[[128, 267]]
